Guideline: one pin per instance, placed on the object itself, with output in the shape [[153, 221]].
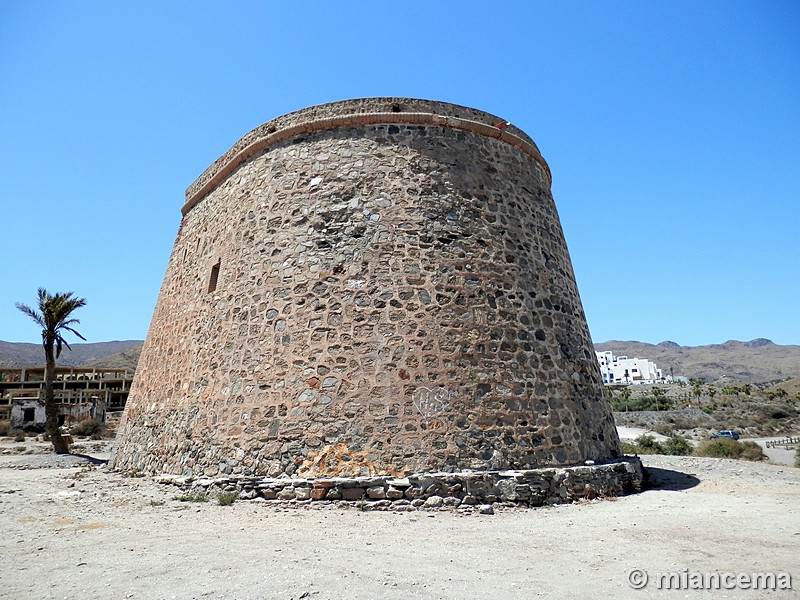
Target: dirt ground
[[73, 530]]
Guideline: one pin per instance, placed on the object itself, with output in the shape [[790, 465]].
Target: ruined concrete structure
[[369, 287], [81, 393]]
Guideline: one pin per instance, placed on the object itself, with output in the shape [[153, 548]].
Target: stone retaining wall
[[533, 487]]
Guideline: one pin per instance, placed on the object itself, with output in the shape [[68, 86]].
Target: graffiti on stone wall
[[432, 402]]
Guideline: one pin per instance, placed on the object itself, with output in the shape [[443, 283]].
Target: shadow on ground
[[665, 479], [91, 459]]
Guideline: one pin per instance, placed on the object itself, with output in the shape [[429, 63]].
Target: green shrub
[[728, 448], [648, 445], [678, 445], [644, 444], [86, 427], [641, 403], [227, 498], [630, 448]]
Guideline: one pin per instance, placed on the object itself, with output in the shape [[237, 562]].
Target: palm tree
[[626, 395], [54, 316], [697, 390], [658, 394]]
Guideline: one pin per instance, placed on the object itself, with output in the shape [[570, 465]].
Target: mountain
[[13, 354], [756, 361], [127, 359]]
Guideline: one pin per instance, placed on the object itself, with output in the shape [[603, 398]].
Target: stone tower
[[372, 286]]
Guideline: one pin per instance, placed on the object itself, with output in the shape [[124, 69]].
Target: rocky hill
[[755, 361], [127, 359], [99, 355]]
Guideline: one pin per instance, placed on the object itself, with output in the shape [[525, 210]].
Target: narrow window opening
[[212, 282]]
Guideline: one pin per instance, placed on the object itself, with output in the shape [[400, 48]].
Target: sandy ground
[[80, 532]]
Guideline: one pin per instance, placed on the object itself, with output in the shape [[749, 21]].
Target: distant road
[[779, 456]]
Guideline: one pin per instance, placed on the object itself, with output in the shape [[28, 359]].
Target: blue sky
[[672, 130]]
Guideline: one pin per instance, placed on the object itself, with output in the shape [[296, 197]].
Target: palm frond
[[61, 341], [54, 316], [75, 332], [24, 308]]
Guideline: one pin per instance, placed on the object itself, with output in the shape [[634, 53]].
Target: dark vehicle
[[727, 433]]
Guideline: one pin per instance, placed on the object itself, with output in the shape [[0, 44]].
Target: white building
[[622, 370]]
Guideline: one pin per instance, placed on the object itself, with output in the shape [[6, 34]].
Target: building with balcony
[[623, 370]]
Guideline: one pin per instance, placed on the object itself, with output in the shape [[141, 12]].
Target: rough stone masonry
[[372, 287]]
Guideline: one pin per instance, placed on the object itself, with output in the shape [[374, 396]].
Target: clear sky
[[672, 130]]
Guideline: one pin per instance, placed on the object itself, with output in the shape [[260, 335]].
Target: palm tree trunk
[[60, 445]]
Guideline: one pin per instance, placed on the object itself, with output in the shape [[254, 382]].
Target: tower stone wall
[[375, 286]]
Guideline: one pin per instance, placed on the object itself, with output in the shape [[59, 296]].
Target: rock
[[394, 493], [376, 493], [302, 493], [413, 492], [433, 502], [486, 509], [286, 493], [355, 493]]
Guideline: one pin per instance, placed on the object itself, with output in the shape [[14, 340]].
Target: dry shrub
[[86, 427], [752, 451], [5, 427], [728, 448], [664, 429]]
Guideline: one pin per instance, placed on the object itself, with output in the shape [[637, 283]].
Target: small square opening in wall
[[212, 281]]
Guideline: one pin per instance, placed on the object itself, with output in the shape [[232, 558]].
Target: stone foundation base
[[535, 487]]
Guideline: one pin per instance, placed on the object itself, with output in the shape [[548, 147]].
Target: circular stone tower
[[369, 287]]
